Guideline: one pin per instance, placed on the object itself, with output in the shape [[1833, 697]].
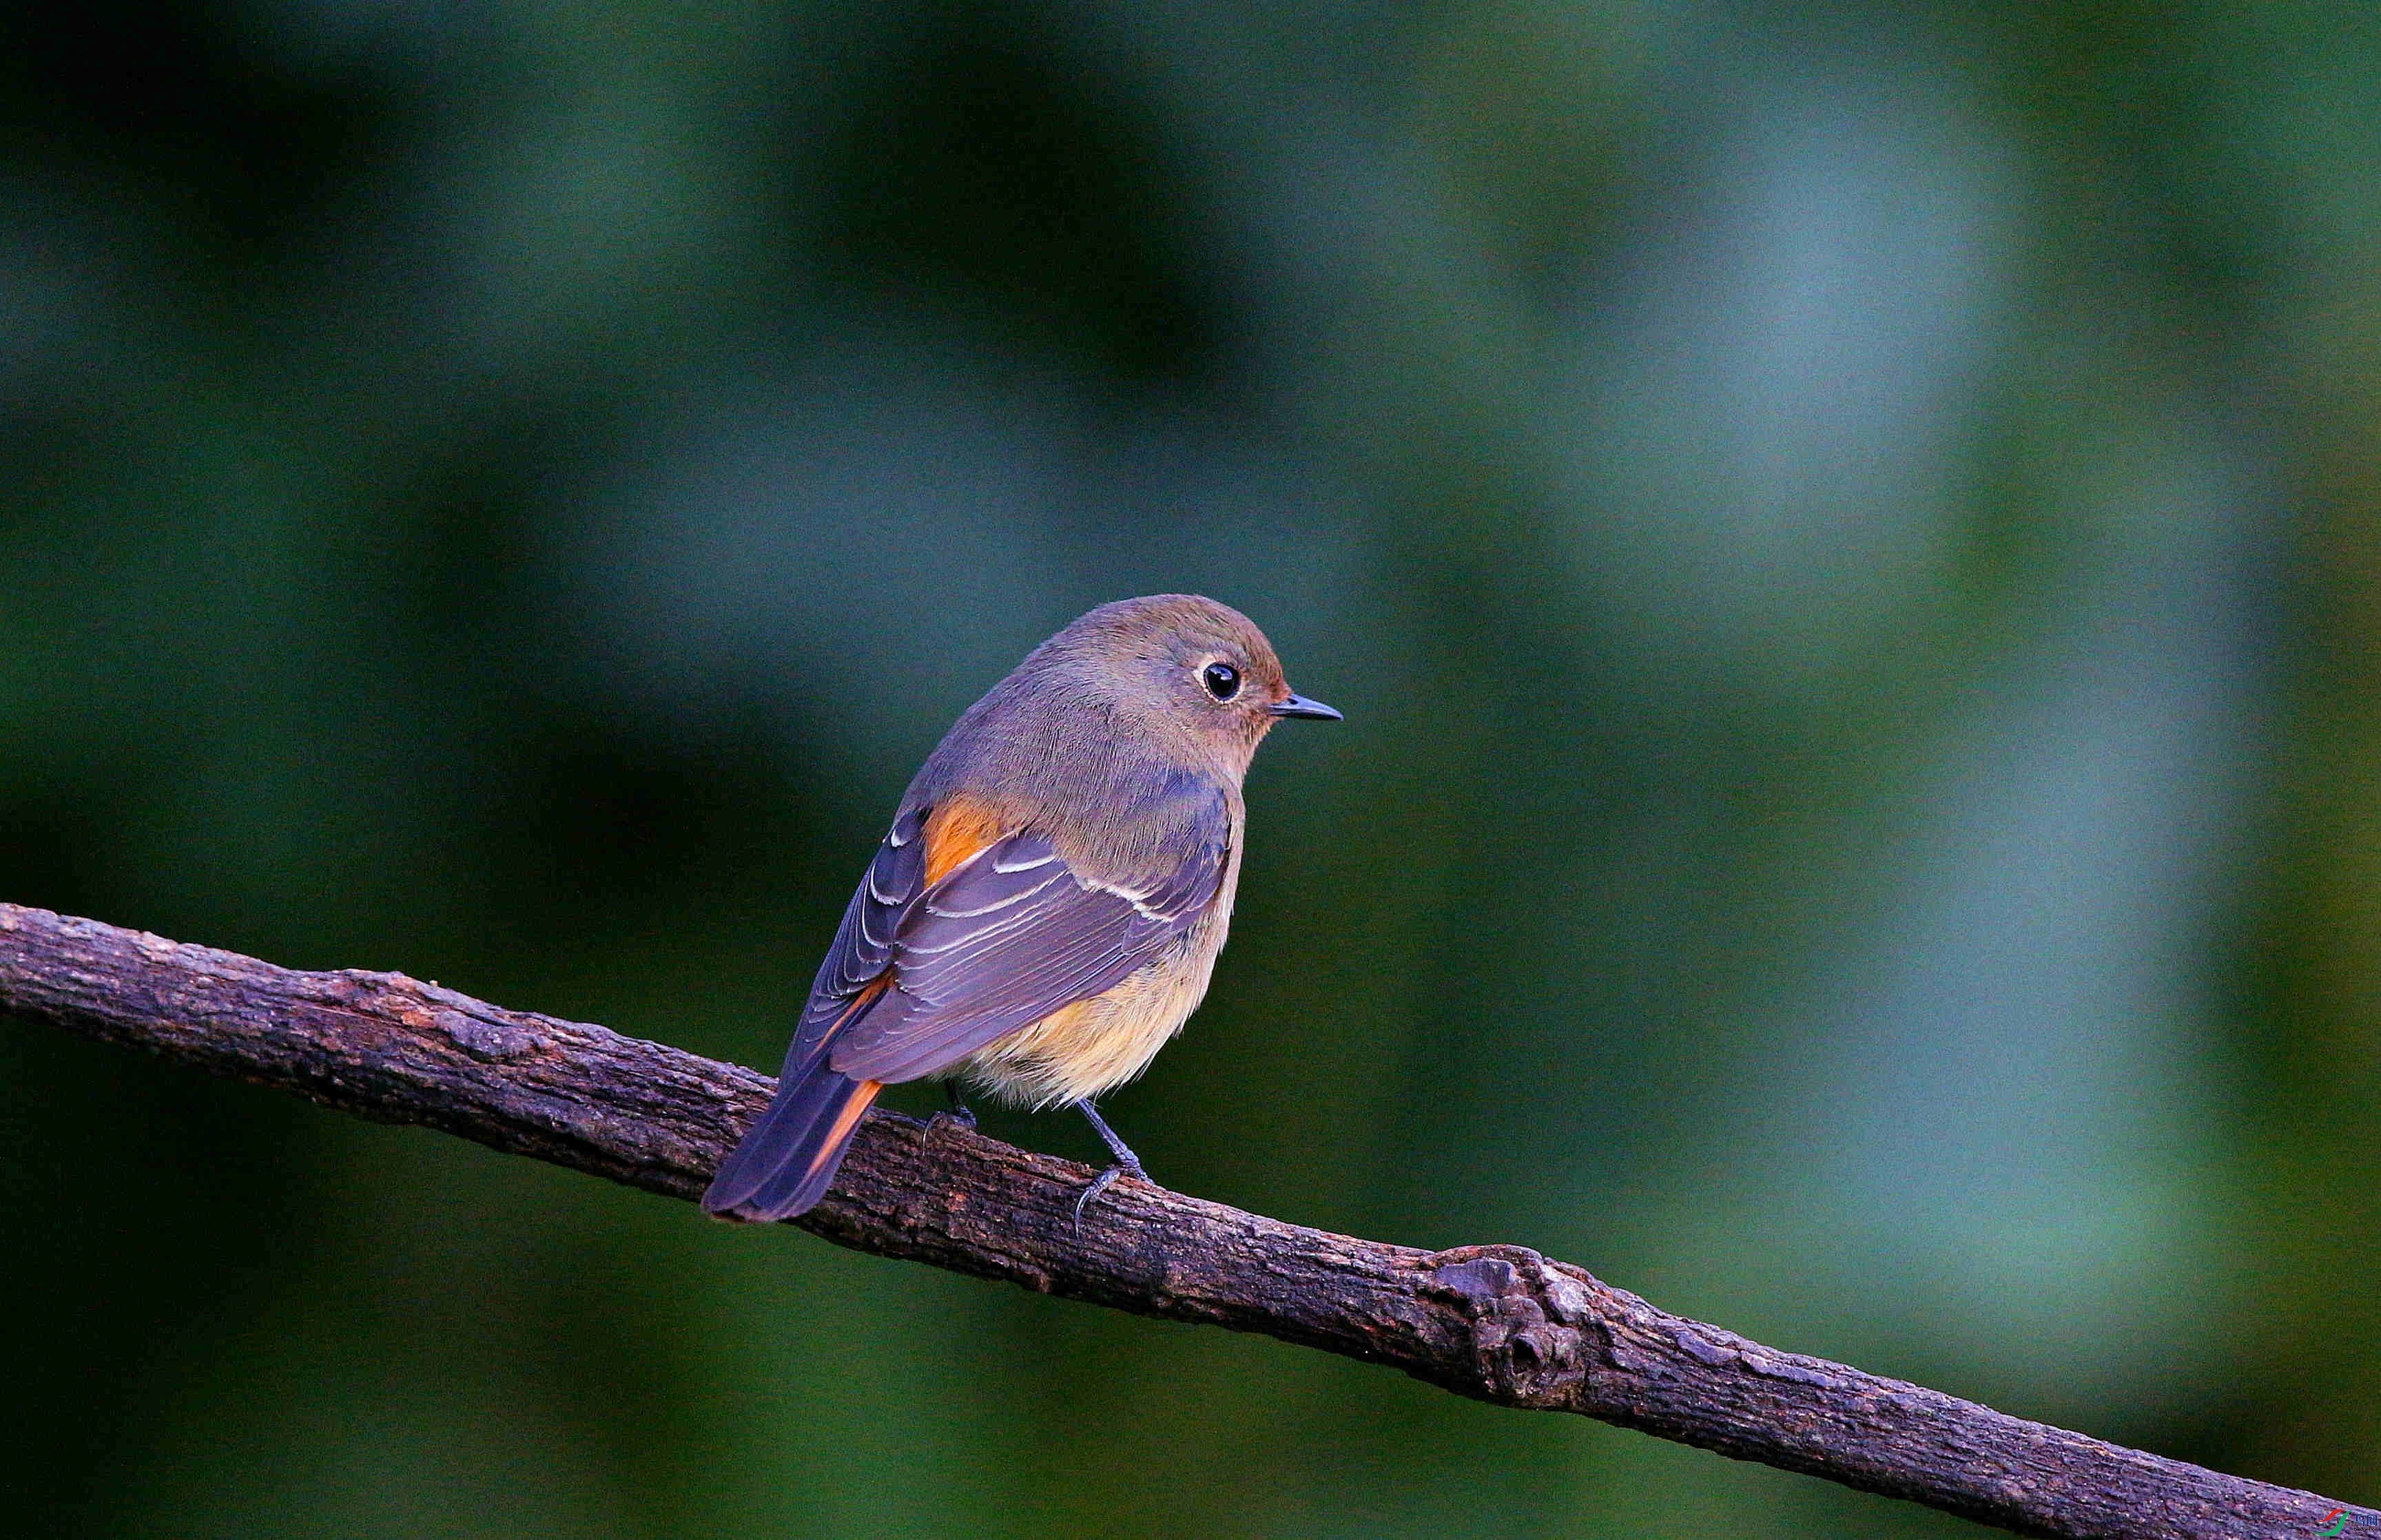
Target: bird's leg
[[1126, 1163], [957, 1112]]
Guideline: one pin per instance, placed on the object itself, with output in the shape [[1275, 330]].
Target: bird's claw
[[1105, 1180], [958, 1113]]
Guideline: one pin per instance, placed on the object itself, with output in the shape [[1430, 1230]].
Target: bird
[[1045, 910]]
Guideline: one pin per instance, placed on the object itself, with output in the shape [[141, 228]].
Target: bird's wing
[[1002, 941], [862, 950]]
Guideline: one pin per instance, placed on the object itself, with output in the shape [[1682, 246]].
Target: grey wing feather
[[863, 947], [1012, 937]]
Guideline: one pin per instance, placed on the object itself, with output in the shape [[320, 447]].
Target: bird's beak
[[1299, 706]]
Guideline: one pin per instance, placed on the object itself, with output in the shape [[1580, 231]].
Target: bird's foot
[[1126, 1163], [1105, 1180], [956, 1115]]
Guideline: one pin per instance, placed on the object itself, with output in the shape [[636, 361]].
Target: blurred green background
[[1845, 536]]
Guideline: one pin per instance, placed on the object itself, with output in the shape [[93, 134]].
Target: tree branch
[[1501, 1323]]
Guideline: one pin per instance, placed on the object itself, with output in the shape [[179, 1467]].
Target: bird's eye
[[1222, 681]]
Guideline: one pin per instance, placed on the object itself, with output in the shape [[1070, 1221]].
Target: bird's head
[[1191, 671]]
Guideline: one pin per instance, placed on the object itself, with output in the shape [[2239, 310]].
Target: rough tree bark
[[1498, 1323]]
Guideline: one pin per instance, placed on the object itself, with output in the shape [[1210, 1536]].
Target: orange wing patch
[[957, 830]]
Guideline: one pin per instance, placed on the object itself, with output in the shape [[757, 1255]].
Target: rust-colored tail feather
[[790, 1154]]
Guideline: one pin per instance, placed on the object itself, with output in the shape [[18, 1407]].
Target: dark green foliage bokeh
[[1845, 536]]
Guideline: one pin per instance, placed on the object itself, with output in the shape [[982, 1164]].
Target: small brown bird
[[1046, 911]]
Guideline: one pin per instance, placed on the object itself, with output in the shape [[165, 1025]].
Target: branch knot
[[1524, 1314]]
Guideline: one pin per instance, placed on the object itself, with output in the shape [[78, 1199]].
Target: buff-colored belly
[[1095, 1045]]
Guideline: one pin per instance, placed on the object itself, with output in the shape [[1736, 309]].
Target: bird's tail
[[791, 1152]]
